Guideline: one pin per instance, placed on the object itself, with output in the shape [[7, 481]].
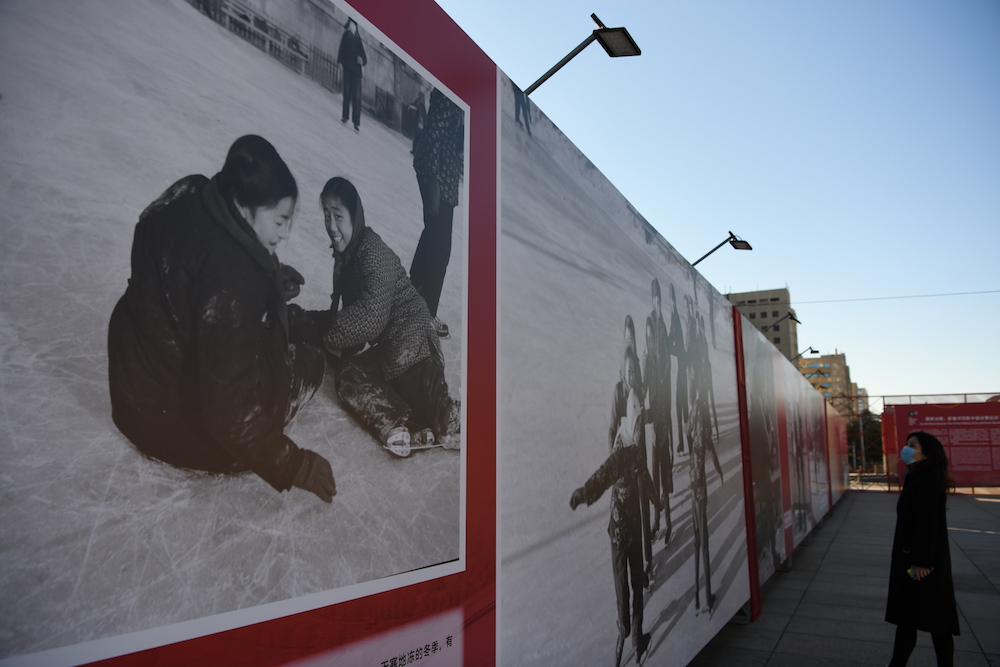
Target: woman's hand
[[921, 572]]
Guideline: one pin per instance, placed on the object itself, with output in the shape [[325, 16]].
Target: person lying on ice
[[624, 471], [202, 371], [396, 387]]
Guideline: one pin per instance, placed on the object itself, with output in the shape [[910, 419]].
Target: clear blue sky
[[855, 144]]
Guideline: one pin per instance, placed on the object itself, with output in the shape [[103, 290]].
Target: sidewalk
[[828, 610]]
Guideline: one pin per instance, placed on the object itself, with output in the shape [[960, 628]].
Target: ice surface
[[103, 106]]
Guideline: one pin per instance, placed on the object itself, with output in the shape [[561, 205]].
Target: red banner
[[970, 433]]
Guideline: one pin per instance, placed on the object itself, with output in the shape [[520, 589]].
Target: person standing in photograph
[[396, 387], [921, 590], [202, 370], [702, 443], [625, 384], [657, 370], [351, 57], [678, 349], [522, 108], [439, 164], [624, 471]]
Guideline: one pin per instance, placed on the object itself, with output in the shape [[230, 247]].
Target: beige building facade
[[770, 312]]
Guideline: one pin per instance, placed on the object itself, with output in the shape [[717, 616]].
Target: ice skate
[[618, 650], [641, 647], [398, 442]]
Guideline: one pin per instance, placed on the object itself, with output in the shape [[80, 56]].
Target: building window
[[777, 340], [752, 301], [763, 315], [774, 298], [774, 313], [826, 385], [776, 327]]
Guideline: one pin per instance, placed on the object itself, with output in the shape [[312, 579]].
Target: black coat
[[922, 539], [200, 369]]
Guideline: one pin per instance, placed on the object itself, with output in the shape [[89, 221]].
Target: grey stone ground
[[828, 610]]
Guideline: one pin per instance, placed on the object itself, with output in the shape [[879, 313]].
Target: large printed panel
[[970, 433], [617, 381], [761, 359], [105, 105], [805, 434], [836, 439]]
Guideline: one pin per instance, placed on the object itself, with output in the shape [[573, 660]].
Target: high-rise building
[[771, 313], [830, 375]]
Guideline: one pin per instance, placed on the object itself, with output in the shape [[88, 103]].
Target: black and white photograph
[[622, 525], [233, 366], [761, 358]]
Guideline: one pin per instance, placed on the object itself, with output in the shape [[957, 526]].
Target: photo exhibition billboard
[[617, 395], [280, 337]]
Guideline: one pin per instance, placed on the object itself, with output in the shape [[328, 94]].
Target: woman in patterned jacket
[[396, 387]]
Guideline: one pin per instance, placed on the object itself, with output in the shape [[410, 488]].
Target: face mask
[[906, 453]]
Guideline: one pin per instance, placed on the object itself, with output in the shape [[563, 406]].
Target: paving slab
[[828, 608]]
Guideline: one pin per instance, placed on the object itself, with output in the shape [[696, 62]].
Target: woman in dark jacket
[[202, 373], [921, 592], [396, 387]]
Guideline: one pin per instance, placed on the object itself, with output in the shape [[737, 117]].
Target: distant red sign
[[970, 433]]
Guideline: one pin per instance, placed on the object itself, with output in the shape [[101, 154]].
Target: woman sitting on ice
[[395, 387]]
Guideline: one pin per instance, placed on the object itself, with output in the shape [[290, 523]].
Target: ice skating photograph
[[622, 529], [233, 355]]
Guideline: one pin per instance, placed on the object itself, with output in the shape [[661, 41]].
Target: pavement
[[828, 609]]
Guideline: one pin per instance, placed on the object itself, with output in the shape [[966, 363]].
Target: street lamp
[[809, 349], [732, 240], [789, 316], [616, 41]]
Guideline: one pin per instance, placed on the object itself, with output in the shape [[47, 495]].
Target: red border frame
[[424, 31], [749, 507]]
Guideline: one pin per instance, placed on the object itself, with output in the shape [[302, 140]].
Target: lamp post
[[808, 349], [616, 41], [732, 240], [789, 316]]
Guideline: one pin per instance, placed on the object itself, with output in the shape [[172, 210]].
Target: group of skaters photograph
[[668, 388]]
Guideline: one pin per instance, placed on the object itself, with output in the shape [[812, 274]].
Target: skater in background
[[624, 472], [522, 108], [635, 383], [439, 163], [351, 57], [202, 369], [396, 387], [921, 589], [656, 371], [702, 443], [678, 349], [419, 107]]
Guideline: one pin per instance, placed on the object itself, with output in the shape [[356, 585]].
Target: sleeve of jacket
[[243, 374], [614, 468], [362, 321], [926, 513]]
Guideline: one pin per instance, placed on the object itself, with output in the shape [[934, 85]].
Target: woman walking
[[921, 592]]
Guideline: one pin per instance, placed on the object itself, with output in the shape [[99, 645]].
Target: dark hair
[[254, 175], [656, 289], [630, 325], [937, 460], [344, 190], [348, 22]]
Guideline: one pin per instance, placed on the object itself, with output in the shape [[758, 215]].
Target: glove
[[316, 475], [579, 497], [292, 281]]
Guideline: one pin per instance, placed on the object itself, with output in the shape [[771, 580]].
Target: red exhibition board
[[970, 433]]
